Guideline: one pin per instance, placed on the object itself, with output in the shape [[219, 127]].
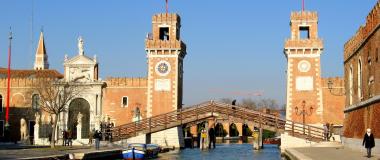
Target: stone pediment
[[80, 60]]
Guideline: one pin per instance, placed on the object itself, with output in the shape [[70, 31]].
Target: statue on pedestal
[[23, 130], [80, 116], [80, 45], [37, 115]]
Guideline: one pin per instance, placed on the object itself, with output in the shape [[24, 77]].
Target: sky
[[234, 48]]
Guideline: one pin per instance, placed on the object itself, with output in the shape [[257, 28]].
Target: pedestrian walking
[[70, 137], [64, 138], [97, 137], [211, 135], [331, 131], [368, 142], [325, 131], [90, 136]]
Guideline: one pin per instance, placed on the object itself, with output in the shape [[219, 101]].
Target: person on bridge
[[212, 137], [368, 142]]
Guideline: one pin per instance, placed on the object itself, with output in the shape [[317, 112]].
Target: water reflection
[[227, 150]]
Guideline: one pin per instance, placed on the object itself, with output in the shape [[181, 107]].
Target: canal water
[[225, 151]]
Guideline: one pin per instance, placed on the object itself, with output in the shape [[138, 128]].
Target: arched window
[[351, 83], [36, 101], [360, 80], [1, 103]]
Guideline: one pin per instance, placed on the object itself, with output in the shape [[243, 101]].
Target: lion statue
[[23, 129]]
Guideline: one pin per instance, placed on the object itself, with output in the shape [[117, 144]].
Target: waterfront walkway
[[327, 153], [59, 152]]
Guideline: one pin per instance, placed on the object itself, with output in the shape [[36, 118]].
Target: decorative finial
[[95, 59], [80, 45]]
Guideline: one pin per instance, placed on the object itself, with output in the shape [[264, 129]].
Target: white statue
[[23, 129], [66, 57], [43, 119], [48, 119], [37, 115], [80, 45], [80, 116]]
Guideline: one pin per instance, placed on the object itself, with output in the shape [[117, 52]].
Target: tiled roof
[[30, 73]]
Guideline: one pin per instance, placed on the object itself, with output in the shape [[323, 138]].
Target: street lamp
[[304, 112], [330, 87]]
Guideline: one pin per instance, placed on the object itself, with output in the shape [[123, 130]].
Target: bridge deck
[[211, 109]]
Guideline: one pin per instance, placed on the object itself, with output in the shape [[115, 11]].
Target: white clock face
[[304, 66], [163, 68]]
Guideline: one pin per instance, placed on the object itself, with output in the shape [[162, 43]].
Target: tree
[[267, 103], [54, 97], [226, 100], [249, 103]]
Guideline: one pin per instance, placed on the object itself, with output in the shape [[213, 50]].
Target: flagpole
[[9, 79]]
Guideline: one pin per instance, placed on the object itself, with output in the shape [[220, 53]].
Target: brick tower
[[41, 59], [165, 52], [303, 51]]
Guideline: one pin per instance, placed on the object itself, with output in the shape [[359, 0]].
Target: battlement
[[304, 15], [364, 32], [166, 18], [159, 44], [336, 81], [304, 43], [23, 82], [126, 82]]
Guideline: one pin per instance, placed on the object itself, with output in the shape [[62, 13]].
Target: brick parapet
[[164, 17], [160, 44], [304, 43], [126, 82], [21, 82], [304, 15], [336, 81], [364, 32]]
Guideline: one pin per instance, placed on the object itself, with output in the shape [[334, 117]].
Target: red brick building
[[362, 74]]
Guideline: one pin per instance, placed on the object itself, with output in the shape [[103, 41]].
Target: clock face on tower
[[162, 68], [304, 66]]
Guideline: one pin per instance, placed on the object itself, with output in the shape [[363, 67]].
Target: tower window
[[304, 32], [164, 33], [124, 102]]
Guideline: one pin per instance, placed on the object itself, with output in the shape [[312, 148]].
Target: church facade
[[118, 100]]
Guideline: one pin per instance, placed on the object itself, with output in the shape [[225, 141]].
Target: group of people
[[67, 138], [328, 131], [211, 137]]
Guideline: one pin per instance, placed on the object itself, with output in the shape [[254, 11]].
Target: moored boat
[[139, 151]]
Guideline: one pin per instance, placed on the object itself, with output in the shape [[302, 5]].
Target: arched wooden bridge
[[213, 109]]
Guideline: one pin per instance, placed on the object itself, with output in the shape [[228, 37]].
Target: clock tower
[[165, 53], [302, 51]]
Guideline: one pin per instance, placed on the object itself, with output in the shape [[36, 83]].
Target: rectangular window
[[304, 32], [1, 128], [124, 102], [164, 33]]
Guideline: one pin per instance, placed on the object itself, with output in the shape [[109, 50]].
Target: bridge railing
[[203, 111]]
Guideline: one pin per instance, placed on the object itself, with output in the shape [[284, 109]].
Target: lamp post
[[304, 113], [330, 87]]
